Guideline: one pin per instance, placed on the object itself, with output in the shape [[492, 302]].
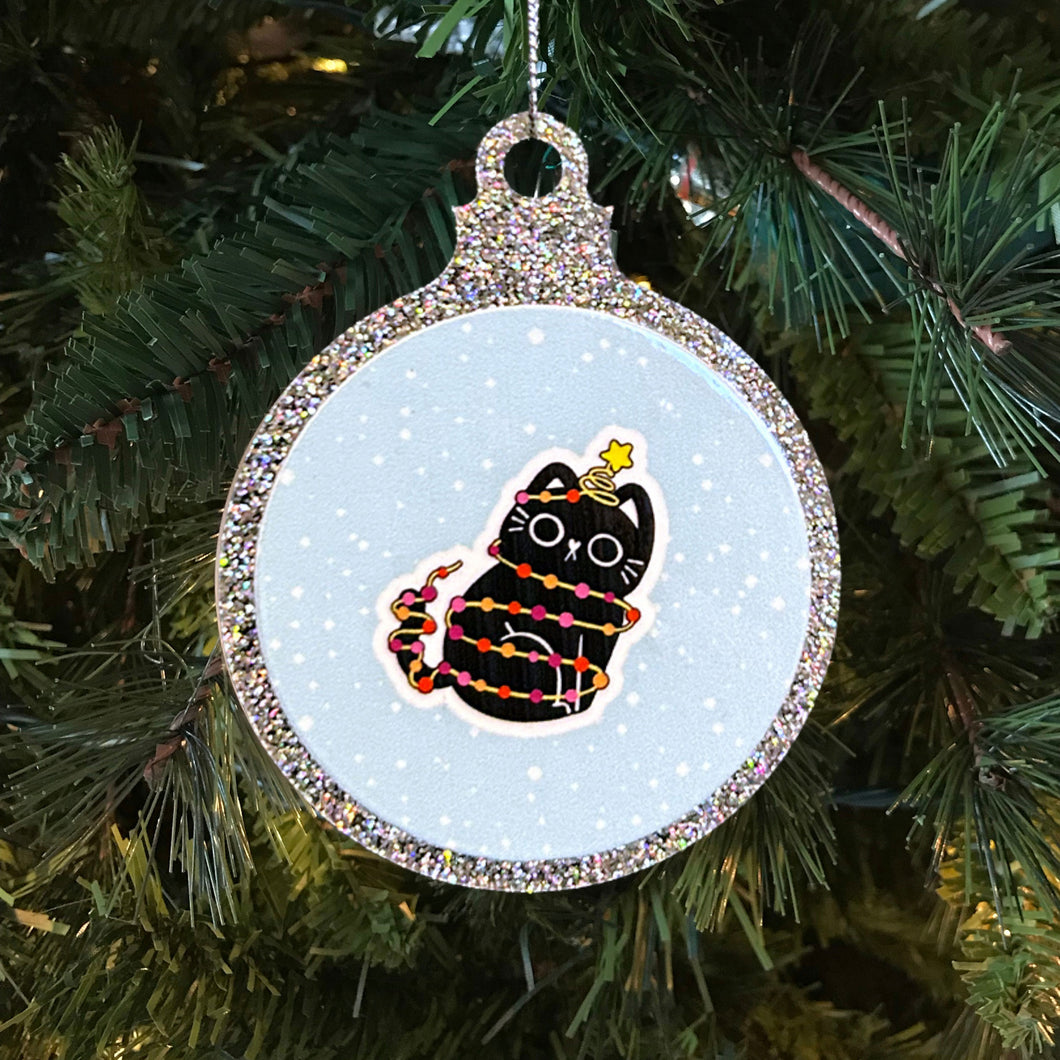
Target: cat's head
[[558, 529]]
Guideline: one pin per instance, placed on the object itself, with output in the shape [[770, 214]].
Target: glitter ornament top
[[408, 720]]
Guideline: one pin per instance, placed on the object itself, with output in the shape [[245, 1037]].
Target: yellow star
[[617, 456]]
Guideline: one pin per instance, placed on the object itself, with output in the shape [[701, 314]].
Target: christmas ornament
[[530, 578]]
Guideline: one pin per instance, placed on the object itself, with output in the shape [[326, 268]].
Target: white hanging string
[[532, 15]]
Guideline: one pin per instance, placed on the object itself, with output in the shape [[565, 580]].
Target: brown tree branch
[[885, 233], [169, 747]]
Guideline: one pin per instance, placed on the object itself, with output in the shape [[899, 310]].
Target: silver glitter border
[[511, 251]]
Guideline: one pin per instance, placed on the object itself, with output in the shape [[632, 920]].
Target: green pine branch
[[820, 206], [779, 843], [159, 398], [112, 239], [789, 1023], [990, 529], [144, 979], [996, 791], [1009, 962]]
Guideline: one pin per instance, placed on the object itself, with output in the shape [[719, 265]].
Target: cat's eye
[[547, 530], [605, 550]]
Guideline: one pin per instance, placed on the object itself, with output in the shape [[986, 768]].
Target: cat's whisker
[[625, 578], [522, 511], [638, 562]]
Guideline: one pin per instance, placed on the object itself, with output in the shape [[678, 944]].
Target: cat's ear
[[635, 504], [553, 476]]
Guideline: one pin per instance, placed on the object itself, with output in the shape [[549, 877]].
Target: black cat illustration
[[531, 638]]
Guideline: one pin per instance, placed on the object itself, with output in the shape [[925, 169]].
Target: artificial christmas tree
[[197, 198]]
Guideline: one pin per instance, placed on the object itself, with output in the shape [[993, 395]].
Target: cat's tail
[[410, 609]]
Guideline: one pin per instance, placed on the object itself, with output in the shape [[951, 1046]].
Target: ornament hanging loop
[[489, 165]]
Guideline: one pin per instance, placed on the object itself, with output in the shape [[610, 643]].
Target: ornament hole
[[533, 168]]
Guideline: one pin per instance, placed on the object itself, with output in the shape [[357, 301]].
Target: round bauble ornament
[[530, 578]]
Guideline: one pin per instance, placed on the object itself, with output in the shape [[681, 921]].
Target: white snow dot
[[275, 643], [535, 336], [404, 434], [724, 549], [777, 603], [534, 773], [487, 464], [410, 373], [491, 383], [286, 477], [404, 411], [765, 460], [605, 344], [587, 357], [706, 484], [458, 485], [530, 428], [734, 610], [465, 328], [802, 563], [362, 545], [329, 624], [682, 769], [601, 823], [717, 728], [297, 592], [304, 541], [395, 707], [621, 730], [679, 557], [305, 722], [444, 820], [633, 699], [340, 512], [750, 581], [298, 658], [378, 459], [400, 763]]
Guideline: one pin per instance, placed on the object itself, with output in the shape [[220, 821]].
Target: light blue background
[[408, 458]]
